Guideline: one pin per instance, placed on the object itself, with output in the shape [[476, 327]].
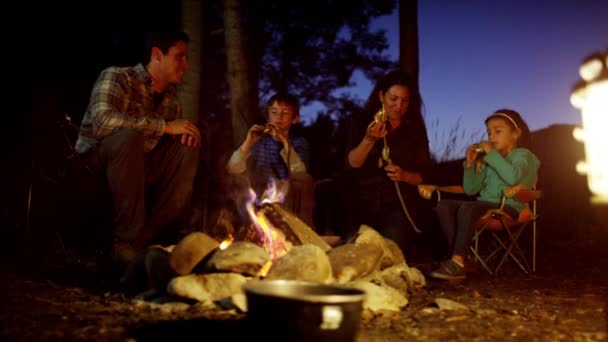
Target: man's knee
[[186, 157], [124, 141]]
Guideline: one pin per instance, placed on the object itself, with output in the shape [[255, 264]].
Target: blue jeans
[[457, 217]]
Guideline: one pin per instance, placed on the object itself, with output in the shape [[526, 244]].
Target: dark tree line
[[309, 48]]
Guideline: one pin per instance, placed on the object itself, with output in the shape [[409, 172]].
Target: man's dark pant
[[164, 176]]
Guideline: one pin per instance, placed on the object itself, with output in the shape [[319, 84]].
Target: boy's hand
[[255, 133]]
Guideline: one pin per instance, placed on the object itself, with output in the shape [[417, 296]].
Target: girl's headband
[[506, 116]]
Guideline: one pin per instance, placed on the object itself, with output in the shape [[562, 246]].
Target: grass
[[451, 144]]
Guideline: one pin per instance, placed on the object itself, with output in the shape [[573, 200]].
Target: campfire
[[277, 245]]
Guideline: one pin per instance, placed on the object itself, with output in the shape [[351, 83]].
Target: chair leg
[[475, 251], [29, 208], [509, 250], [507, 247], [521, 250], [534, 246]]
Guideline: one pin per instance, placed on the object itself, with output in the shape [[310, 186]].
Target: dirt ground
[[565, 300]]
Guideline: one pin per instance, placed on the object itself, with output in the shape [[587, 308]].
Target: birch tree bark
[[189, 94], [241, 107]]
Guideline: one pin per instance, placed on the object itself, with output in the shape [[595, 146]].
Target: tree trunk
[[190, 94], [239, 78], [408, 37]]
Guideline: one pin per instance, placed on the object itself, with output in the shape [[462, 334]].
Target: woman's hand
[[397, 174], [375, 130]]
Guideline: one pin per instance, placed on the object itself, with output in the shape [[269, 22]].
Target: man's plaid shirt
[[122, 97]]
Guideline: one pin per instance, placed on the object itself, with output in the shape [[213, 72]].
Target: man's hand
[[189, 141], [190, 134]]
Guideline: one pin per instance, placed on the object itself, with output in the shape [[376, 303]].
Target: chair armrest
[[522, 194], [426, 190], [453, 189]]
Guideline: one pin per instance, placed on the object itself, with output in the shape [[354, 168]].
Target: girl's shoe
[[449, 270]]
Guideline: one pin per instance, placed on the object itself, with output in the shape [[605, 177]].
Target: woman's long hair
[[414, 110]]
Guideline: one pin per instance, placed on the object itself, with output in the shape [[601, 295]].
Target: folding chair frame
[[497, 220]]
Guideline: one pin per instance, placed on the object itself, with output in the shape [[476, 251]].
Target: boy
[[270, 154]]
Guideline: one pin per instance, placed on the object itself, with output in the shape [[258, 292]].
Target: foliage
[[451, 145], [311, 51], [307, 47]]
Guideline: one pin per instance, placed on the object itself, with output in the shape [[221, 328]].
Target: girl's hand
[[472, 152], [486, 146], [475, 150]]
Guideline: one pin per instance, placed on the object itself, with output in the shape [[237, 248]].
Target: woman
[[389, 156]]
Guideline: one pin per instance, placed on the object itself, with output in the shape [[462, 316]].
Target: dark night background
[[75, 40], [51, 55]]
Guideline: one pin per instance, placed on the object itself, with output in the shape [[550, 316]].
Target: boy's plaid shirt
[[123, 97], [265, 162]]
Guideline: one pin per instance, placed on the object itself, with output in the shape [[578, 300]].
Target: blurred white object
[[590, 95]]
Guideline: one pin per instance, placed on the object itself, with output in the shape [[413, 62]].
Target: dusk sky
[[477, 56]]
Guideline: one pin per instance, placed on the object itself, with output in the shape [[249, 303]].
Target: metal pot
[[290, 310]]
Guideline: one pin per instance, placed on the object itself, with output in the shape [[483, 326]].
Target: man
[[134, 131]]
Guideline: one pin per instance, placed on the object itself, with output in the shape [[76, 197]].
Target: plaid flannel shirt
[[122, 97]]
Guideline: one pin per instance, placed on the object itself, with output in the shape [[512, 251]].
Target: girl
[[490, 167]]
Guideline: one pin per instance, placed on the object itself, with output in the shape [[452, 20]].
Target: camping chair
[[505, 230], [67, 188]]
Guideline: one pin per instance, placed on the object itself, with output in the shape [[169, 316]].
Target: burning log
[[295, 230]]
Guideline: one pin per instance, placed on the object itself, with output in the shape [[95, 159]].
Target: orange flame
[[273, 240], [227, 242], [275, 192], [265, 269]]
